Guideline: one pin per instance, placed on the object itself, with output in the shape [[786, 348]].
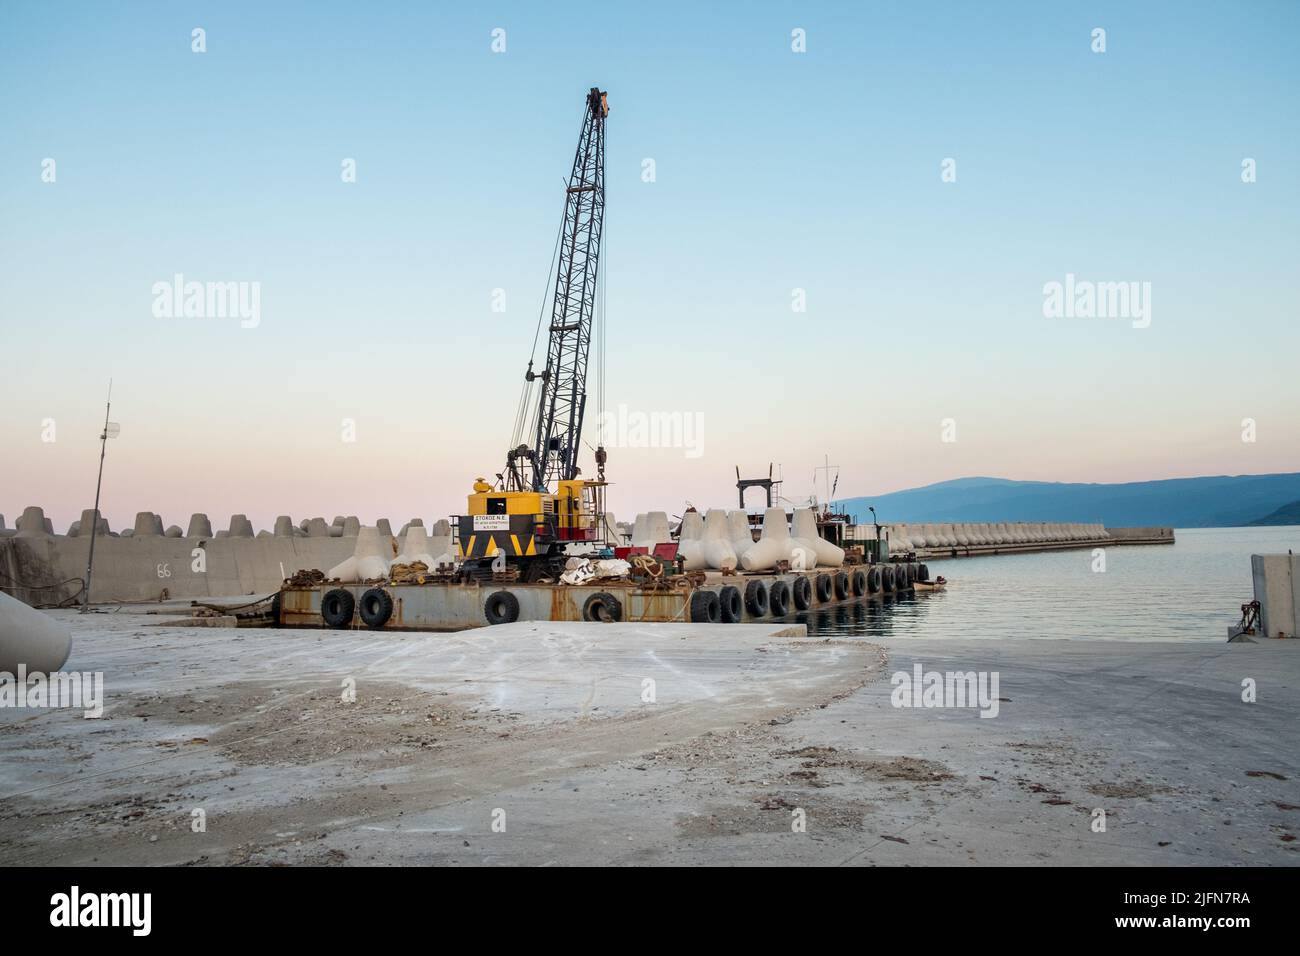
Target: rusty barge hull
[[438, 606]]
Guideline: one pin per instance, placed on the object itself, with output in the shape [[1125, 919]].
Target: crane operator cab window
[[496, 506]]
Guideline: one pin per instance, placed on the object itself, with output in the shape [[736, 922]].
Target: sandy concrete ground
[[544, 730]]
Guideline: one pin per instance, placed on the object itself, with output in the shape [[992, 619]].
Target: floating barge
[[719, 598]]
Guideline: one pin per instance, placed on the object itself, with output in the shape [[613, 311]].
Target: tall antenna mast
[[111, 430]]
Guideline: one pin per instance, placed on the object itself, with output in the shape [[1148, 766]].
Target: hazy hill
[[1287, 514], [1211, 502]]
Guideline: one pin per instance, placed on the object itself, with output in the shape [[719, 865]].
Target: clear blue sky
[[775, 171]]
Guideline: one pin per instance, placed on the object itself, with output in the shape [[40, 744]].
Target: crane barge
[[519, 530]]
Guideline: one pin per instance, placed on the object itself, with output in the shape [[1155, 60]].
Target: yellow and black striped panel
[[518, 540]]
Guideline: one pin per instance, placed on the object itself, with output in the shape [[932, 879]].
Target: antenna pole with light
[[111, 430]]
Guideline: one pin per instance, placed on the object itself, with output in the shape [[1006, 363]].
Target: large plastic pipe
[[31, 638]]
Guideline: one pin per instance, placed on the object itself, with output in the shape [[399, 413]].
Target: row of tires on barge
[[749, 599], [780, 596]]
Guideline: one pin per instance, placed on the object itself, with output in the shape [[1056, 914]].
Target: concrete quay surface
[[536, 743]]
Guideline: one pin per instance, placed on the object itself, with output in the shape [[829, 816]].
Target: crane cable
[[526, 394]]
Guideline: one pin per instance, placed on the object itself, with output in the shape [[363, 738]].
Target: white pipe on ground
[[31, 638]]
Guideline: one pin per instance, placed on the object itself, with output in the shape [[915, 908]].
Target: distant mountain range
[[1213, 502], [1287, 514]]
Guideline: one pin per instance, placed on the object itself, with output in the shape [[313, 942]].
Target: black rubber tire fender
[[841, 585], [778, 598], [858, 581], [337, 608], [923, 573], [277, 605], [874, 580], [756, 599], [731, 604], [706, 608], [602, 607], [802, 593], [887, 578], [501, 607], [375, 607], [825, 587]]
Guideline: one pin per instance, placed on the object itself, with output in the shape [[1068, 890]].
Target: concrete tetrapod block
[[352, 526], [199, 527], [173, 531], [368, 561], [805, 528], [657, 526], [2, 523], [638, 530], [654, 530], [144, 526], [415, 547], [773, 543], [31, 638], [916, 534], [718, 552], [690, 546], [317, 528], [87, 516], [32, 523], [283, 526], [742, 539], [372, 554], [384, 528], [240, 527], [440, 527]]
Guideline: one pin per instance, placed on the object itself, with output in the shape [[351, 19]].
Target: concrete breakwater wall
[[140, 563], [961, 540]]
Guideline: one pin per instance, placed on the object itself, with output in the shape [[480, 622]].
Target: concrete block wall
[[137, 564], [1277, 589]]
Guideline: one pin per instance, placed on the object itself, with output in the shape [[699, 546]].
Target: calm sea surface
[[1191, 591]]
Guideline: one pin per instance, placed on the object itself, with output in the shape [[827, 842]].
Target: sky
[[841, 255]]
